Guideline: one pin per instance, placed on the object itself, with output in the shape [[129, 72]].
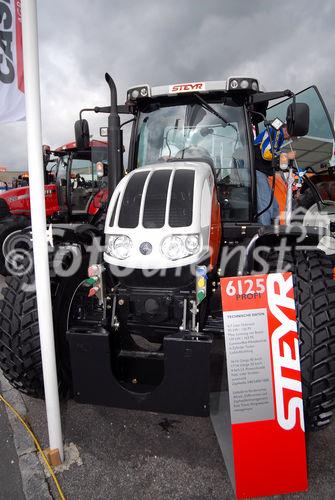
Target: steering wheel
[[193, 152], [81, 182]]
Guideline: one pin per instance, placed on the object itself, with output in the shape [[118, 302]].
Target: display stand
[[259, 422]]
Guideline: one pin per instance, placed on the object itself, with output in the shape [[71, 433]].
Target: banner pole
[[38, 222]]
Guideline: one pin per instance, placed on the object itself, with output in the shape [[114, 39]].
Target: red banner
[[265, 391], [12, 105]]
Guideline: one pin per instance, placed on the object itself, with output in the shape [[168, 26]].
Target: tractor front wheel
[[315, 302], [20, 350]]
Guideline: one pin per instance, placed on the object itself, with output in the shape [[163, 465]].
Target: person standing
[[265, 149]]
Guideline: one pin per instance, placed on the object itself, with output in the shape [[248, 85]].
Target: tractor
[[73, 193], [138, 322]]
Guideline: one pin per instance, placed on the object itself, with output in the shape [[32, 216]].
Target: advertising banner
[[12, 105], [264, 381]]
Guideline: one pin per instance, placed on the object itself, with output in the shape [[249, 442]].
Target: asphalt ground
[[138, 455], [10, 476]]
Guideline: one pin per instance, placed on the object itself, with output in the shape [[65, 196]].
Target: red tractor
[[74, 191]]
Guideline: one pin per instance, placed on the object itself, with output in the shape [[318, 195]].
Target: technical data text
[[249, 365]]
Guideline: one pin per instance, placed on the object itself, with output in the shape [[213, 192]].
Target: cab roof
[[232, 84], [71, 146]]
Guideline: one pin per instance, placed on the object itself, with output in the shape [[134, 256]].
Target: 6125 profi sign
[[245, 289]]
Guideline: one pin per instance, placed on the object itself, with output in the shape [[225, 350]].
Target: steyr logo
[[186, 87], [285, 352]]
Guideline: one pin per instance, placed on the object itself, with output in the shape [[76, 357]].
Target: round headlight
[[234, 84], [254, 86], [192, 243], [244, 84], [135, 94], [120, 246], [144, 92], [173, 247]]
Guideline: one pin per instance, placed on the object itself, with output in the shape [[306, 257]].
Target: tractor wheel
[[20, 351], [325, 189], [8, 226], [315, 302]]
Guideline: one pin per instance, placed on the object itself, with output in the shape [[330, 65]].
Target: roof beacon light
[[243, 84], [138, 92]]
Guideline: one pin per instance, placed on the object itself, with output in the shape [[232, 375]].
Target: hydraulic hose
[[37, 444]]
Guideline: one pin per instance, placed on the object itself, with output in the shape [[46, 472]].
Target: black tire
[[20, 352], [308, 198], [8, 226], [315, 300]]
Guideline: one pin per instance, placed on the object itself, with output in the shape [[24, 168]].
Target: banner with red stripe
[[12, 104]]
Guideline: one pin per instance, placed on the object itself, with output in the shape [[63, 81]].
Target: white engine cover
[[164, 213]]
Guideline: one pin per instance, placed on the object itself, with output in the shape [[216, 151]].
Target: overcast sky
[[286, 44]]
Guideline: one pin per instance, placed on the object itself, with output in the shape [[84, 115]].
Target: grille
[[182, 199], [157, 193], [131, 203], [155, 200]]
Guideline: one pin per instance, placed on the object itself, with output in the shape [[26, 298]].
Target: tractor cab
[[80, 180], [210, 130], [75, 183]]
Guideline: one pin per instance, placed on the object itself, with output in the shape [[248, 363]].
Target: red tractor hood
[[18, 200]]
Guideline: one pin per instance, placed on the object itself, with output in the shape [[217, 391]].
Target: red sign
[[265, 390]]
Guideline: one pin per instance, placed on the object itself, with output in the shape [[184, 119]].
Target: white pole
[[38, 221]]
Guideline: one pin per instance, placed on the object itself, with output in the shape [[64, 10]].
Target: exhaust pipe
[[114, 148]]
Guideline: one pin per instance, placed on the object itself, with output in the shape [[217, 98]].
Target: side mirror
[[297, 119], [82, 134]]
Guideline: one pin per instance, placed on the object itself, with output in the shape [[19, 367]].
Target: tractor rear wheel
[[20, 351], [315, 302], [7, 227]]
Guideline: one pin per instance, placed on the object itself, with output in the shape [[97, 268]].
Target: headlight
[[176, 247], [119, 246], [192, 243]]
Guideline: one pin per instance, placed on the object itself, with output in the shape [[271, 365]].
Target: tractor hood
[[160, 216], [17, 194]]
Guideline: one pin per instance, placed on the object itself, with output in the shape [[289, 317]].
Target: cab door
[[82, 184], [315, 151], [61, 183]]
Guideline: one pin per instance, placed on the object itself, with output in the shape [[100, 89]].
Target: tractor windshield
[[191, 131]]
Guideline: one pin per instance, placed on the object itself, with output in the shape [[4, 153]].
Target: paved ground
[[137, 455], [10, 477]]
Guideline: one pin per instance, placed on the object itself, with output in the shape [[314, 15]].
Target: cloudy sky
[[287, 44]]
